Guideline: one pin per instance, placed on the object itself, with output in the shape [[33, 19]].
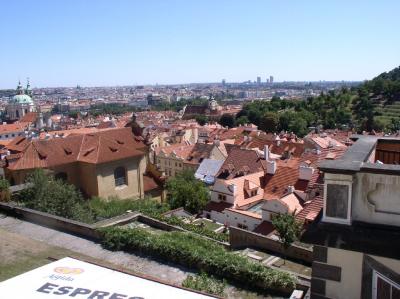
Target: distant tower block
[[271, 79]]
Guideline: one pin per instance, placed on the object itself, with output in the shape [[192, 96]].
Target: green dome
[[21, 99]]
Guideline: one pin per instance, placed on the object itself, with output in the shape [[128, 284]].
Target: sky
[[116, 42]]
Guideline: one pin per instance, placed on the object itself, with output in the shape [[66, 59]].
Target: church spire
[[19, 88], [28, 90]]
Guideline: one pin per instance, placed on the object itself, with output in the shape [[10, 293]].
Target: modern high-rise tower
[[271, 79]]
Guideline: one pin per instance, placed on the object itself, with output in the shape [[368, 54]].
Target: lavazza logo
[[67, 274]]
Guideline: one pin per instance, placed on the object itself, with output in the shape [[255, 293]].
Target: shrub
[[55, 197], [195, 252], [173, 220], [204, 283], [4, 190], [112, 207]]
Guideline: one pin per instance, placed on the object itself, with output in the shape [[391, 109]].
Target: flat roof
[[356, 158], [70, 277]]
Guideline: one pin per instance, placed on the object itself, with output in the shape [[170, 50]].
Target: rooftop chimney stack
[[290, 189], [266, 152], [271, 166], [305, 172]]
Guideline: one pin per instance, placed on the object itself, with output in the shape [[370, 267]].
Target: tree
[[227, 120], [201, 119], [55, 197], [242, 120], [298, 126], [269, 122], [288, 228], [184, 190]]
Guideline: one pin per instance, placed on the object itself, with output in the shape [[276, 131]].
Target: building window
[[120, 176], [242, 226], [337, 200], [384, 288], [253, 193], [222, 197]]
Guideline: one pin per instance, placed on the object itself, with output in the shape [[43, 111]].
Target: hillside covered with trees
[[374, 105]]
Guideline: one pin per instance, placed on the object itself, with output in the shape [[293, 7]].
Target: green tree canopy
[[185, 191], [227, 120], [201, 119], [288, 228], [269, 122]]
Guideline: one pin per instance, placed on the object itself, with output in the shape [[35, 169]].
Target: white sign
[[71, 278]]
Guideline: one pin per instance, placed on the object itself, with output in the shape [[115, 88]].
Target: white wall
[[273, 206], [376, 199], [221, 188], [235, 218]]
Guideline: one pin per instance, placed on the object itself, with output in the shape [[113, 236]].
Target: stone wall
[[240, 238], [59, 223], [158, 224]]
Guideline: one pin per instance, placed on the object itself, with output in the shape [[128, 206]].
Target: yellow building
[[106, 163], [177, 157]]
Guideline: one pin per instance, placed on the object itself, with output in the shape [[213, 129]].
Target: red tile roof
[[100, 147], [30, 117], [241, 162], [217, 206], [264, 228], [149, 183], [276, 185], [310, 210], [276, 147], [12, 128]]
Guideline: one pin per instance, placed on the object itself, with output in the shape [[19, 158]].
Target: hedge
[[195, 228], [195, 252]]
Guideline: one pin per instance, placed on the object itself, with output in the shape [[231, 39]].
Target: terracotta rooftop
[[276, 185], [100, 147], [264, 228], [30, 117], [311, 209], [12, 128], [241, 162], [277, 147], [217, 206]]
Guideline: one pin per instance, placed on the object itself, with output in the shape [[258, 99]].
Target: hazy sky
[[115, 42]]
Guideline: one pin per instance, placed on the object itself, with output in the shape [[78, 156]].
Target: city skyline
[[131, 43]]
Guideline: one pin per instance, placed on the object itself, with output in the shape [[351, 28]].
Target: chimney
[[233, 187], [278, 143], [290, 189], [271, 166], [305, 172], [217, 142], [266, 153]]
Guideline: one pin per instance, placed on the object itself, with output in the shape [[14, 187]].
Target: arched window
[[120, 176], [61, 176]]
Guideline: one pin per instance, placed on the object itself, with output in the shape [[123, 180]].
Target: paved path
[[171, 274]]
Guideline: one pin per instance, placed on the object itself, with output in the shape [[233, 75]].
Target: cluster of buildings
[[343, 187]]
